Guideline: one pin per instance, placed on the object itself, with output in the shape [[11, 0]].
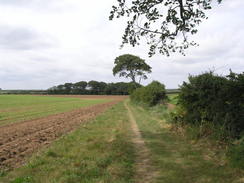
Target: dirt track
[[20, 140], [144, 170]]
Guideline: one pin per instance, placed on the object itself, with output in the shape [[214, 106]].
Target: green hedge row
[[215, 99], [149, 95]]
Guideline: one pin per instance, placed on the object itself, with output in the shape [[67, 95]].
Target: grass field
[[99, 151], [16, 108]]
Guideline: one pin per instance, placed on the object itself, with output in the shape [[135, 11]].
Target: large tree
[[166, 24], [131, 66]]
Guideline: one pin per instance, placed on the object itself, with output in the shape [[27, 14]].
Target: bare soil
[[112, 97], [18, 141], [171, 106]]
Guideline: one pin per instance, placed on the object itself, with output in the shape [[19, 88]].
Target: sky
[[44, 43]]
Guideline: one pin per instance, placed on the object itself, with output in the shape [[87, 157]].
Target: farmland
[[108, 146], [140, 91], [30, 122], [16, 108]]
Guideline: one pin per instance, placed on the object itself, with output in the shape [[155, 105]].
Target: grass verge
[[99, 151], [178, 159]]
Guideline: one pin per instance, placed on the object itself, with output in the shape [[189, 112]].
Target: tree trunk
[[133, 78]]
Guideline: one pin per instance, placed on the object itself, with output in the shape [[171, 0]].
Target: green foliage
[[26, 179], [152, 94], [79, 87], [236, 154], [131, 66], [216, 99], [173, 98], [2, 173], [94, 88], [121, 88], [166, 25]]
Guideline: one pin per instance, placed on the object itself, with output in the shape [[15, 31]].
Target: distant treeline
[[85, 88], [94, 88], [20, 92]]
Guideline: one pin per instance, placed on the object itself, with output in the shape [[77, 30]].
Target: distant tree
[[52, 90], [60, 89], [79, 87], [110, 89], [166, 24], [68, 88], [96, 87], [122, 88], [102, 87], [131, 66]]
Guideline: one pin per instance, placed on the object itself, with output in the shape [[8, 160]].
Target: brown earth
[[18, 141], [112, 97], [171, 106]]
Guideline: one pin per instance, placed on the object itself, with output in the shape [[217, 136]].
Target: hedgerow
[[209, 98], [149, 95]]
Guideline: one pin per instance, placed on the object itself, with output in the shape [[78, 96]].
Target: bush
[[150, 95], [216, 99]]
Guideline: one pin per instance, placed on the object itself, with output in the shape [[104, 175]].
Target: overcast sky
[[48, 42]]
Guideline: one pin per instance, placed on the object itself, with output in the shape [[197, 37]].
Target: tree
[[131, 66], [68, 88], [97, 87], [165, 24], [80, 87]]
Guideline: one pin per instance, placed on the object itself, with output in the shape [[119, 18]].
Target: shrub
[[150, 95], [216, 99]]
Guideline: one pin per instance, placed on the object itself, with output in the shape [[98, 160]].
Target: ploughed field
[[29, 122]]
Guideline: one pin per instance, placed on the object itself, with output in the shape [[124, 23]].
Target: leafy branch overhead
[[165, 24]]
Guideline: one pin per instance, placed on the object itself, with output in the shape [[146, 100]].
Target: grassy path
[[144, 171], [178, 160]]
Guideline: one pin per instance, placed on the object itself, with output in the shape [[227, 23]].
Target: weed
[[26, 179], [236, 154]]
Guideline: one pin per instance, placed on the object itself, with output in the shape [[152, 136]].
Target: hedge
[[216, 99], [149, 95]]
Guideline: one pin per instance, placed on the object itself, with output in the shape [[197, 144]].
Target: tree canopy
[[94, 88], [166, 24], [131, 66]]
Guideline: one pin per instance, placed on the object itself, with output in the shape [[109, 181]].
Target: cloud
[[23, 38], [39, 5], [44, 43]]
